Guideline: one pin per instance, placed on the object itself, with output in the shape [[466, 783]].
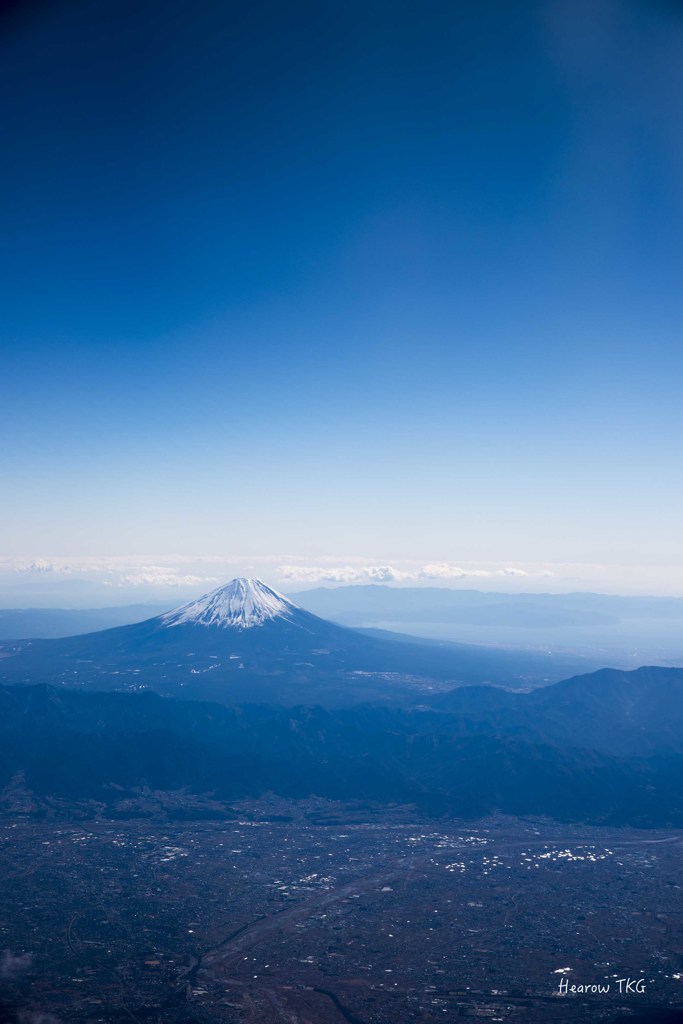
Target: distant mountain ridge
[[625, 631], [51, 623], [378, 602], [245, 641]]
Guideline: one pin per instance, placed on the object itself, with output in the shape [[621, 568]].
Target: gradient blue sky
[[377, 283]]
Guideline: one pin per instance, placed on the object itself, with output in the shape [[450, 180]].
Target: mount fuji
[[246, 642]]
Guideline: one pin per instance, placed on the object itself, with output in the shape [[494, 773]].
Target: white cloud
[[184, 571], [510, 571], [111, 572], [39, 565], [341, 574], [389, 574], [443, 571], [163, 578], [12, 964]]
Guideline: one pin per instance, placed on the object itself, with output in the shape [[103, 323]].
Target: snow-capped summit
[[241, 604]]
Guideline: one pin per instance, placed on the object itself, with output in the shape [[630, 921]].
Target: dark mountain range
[[615, 712], [498, 751], [244, 641]]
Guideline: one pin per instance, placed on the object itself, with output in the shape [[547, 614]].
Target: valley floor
[[321, 913]]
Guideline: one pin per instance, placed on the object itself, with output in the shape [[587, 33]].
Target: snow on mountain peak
[[241, 604]]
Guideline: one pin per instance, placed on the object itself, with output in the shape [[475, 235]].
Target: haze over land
[[604, 629]]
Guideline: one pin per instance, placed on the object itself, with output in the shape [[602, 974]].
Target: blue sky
[[364, 284]]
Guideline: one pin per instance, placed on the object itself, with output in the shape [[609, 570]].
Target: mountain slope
[[244, 641]]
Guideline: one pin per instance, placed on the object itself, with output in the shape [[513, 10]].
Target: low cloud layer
[[389, 574], [37, 1017], [164, 578], [40, 565], [12, 967], [206, 572], [13, 964], [111, 572]]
